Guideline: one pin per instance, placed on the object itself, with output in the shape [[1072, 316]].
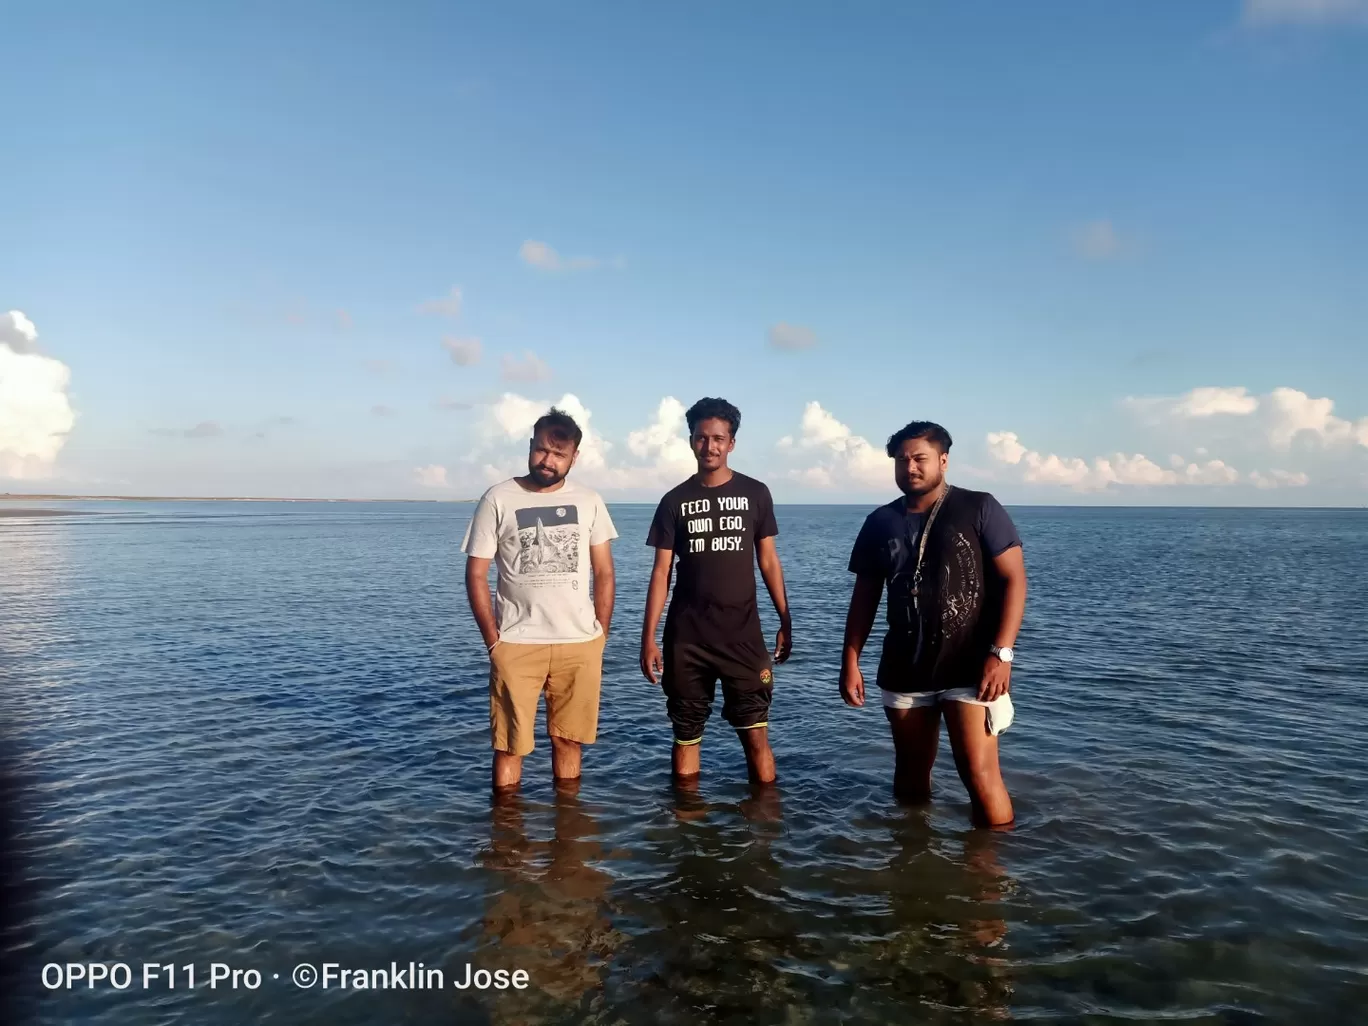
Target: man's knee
[[753, 739]]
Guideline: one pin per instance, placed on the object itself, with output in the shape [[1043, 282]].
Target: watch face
[[1005, 654]]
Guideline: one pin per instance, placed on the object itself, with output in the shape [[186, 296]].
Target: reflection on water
[[548, 913]]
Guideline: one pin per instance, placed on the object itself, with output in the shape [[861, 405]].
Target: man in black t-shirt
[[719, 524], [952, 563]]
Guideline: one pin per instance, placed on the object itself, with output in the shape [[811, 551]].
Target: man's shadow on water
[[547, 913]]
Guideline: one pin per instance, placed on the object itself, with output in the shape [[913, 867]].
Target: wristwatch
[[1005, 654]]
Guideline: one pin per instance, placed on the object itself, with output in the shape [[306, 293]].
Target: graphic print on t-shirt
[[548, 540]]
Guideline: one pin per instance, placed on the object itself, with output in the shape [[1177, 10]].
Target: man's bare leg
[[976, 759], [565, 758], [759, 758], [685, 761], [507, 770], [916, 736]]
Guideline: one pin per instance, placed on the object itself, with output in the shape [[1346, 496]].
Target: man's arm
[[864, 606], [1009, 565], [481, 604], [651, 663], [767, 556], [605, 583]]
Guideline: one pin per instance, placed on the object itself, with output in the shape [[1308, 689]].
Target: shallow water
[[257, 734]]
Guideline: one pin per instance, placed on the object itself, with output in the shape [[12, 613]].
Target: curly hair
[[709, 408]]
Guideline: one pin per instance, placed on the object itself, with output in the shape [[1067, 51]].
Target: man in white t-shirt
[[546, 628]]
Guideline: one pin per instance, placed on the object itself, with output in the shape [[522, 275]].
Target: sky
[[352, 250]]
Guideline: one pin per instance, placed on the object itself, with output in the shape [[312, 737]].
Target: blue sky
[[1044, 225]]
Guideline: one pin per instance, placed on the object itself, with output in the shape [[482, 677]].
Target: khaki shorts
[[569, 674]]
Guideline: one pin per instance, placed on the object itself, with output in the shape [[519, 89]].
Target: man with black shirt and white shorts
[[719, 524], [952, 563]]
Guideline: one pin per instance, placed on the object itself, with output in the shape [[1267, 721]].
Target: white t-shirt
[[540, 544]]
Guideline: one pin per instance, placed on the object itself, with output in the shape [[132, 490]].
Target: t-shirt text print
[[540, 544], [701, 523], [712, 532]]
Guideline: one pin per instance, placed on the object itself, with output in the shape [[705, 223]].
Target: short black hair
[[709, 408], [932, 432], [559, 427]]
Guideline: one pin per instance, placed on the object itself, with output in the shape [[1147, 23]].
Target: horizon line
[[56, 497]]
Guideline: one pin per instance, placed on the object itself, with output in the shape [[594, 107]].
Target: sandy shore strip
[[7, 512]]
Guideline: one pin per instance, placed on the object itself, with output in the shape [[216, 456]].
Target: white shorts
[[1000, 711]]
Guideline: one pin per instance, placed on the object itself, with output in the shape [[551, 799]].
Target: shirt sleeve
[[603, 529], [864, 555], [996, 528], [482, 533], [662, 532], [765, 524]]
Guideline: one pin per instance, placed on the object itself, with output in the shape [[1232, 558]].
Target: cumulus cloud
[[656, 456], [791, 338], [663, 443], [544, 258], [509, 421], [834, 455], [1135, 470], [464, 352], [35, 410], [432, 476], [1305, 12], [1097, 240], [446, 306], [18, 332], [1283, 415], [530, 367]]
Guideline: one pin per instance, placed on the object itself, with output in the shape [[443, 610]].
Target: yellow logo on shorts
[[766, 677]]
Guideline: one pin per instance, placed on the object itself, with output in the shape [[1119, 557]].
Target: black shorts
[[690, 684]]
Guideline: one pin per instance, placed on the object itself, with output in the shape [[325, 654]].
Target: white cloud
[[447, 306], [837, 456], [35, 410], [1283, 415], [509, 421], [656, 456], [664, 443], [1097, 240], [1279, 479], [464, 352], [1305, 12], [1134, 470], [432, 476], [18, 332], [791, 337], [1211, 402], [543, 257], [530, 368], [1290, 413]]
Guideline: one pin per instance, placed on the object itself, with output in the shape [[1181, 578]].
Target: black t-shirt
[[888, 540], [712, 532]]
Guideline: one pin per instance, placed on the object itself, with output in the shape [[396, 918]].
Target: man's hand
[[783, 642], [852, 684], [997, 679], [652, 664]]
